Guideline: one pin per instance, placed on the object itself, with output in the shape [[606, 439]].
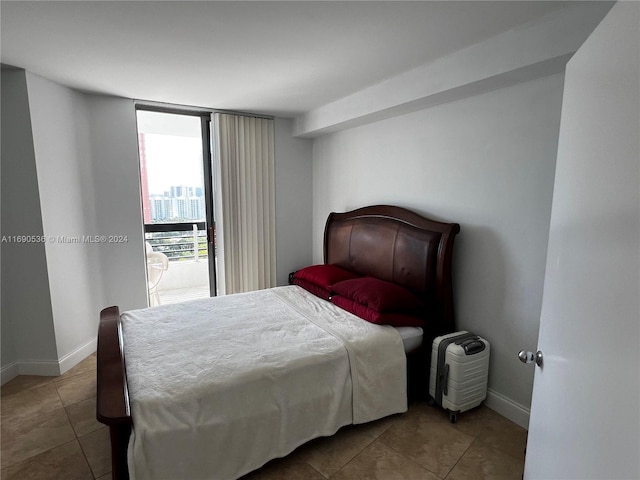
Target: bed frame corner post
[[112, 396], [119, 436], [447, 280]]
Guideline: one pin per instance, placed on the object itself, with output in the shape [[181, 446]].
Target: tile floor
[[49, 431]]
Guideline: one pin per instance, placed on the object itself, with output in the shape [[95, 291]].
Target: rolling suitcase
[[459, 372]]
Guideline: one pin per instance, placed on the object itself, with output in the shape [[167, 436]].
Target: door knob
[[529, 357]]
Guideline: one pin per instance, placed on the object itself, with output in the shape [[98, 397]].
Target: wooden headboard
[[399, 246]]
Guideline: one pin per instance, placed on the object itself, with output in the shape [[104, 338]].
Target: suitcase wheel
[[453, 417]]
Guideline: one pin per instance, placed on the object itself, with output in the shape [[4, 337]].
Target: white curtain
[[244, 183]]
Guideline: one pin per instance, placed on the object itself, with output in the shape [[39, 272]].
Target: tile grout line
[[409, 459], [56, 384], [317, 471], [427, 469], [404, 456], [460, 458], [356, 455], [29, 459], [75, 439], [374, 438], [75, 433]]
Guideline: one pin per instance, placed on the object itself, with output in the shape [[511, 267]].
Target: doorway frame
[[207, 160]]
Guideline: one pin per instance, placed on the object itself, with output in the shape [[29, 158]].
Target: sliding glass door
[[177, 205]]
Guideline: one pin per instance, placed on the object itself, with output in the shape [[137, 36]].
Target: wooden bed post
[[112, 400], [444, 282]]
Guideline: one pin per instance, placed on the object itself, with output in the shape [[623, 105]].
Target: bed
[[345, 370]]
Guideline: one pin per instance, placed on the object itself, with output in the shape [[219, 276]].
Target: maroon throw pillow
[[379, 295], [323, 276], [312, 288], [381, 318]]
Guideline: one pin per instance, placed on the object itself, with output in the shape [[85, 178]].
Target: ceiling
[[280, 58]]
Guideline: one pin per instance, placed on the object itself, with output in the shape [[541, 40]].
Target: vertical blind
[[244, 183]]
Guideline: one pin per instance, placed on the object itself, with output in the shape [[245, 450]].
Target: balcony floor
[[179, 295]]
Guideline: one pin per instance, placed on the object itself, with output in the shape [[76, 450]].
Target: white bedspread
[[210, 403]]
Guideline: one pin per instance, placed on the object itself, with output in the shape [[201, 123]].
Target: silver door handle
[[529, 357]]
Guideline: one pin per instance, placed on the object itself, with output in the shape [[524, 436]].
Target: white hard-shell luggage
[[459, 372]]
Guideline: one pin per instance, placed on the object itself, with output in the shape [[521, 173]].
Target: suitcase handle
[[445, 385], [472, 346]]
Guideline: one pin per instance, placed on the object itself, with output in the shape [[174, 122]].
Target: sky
[[173, 146], [171, 161]]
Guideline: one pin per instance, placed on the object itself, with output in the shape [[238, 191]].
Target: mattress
[[411, 338]]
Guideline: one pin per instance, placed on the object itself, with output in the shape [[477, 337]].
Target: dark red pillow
[[379, 295], [381, 318], [318, 279], [312, 288]]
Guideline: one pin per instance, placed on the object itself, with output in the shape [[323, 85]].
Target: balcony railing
[[188, 273], [178, 241]]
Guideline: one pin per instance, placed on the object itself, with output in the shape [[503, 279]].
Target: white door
[[585, 412]]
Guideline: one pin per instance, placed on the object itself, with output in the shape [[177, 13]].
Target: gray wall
[[63, 162], [486, 162], [27, 318], [293, 201]]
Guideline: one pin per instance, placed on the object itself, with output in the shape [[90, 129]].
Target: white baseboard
[[9, 372], [508, 408], [48, 368], [72, 359], [39, 367], [29, 367]]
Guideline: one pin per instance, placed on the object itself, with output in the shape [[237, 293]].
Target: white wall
[[118, 211], [63, 161], [27, 318], [486, 162], [293, 201]]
